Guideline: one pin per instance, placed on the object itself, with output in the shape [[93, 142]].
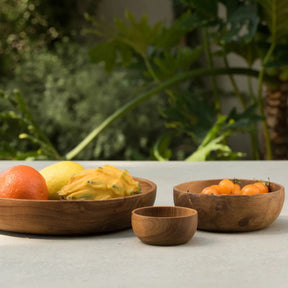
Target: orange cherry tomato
[[250, 189], [213, 189], [263, 188], [226, 186], [236, 189]]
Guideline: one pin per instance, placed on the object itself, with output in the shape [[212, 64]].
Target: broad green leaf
[[242, 122], [126, 54], [21, 122], [275, 15], [205, 9], [215, 130], [104, 52], [231, 5], [203, 152], [170, 64], [139, 35], [222, 128], [172, 36], [280, 57], [250, 52], [190, 113], [241, 24], [161, 149]]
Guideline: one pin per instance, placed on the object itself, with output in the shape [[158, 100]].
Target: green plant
[[67, 97], [157, 56], [17, 124], [22, 29], [253, 29], [32, 25]]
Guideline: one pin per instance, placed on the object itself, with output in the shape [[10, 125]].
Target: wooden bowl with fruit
[[88, 203], [231, 205]]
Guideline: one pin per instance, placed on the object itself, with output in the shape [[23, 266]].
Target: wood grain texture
[[63, 217], [164, 225], [230, 213]]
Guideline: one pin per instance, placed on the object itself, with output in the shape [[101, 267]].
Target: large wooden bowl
[[230, 213], [73, 217]]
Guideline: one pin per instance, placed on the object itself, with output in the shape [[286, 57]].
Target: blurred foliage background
[[44, 55], [65, 76]]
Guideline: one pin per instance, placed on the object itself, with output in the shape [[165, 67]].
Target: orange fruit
[[226, 186], [236, 189], [250, 189], [23, 182], [262, 186], [211, 190]]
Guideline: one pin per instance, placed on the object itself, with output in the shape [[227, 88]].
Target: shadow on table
[[279, 226], [127, 233], [198, 240]]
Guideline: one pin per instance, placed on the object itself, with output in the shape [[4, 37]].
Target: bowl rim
[[176, 188], [192, 213], [151, 190]]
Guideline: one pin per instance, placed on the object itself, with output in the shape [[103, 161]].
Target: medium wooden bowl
[[230, 213], [164, 225], [73, 217]]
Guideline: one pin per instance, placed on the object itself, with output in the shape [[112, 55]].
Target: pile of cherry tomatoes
[[229, 187]]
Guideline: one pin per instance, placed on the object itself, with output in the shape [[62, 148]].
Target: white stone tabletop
[[120, 259]]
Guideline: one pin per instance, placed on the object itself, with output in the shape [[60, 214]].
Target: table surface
[[254, 259]]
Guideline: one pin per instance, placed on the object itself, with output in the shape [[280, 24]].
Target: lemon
[[57, 175]]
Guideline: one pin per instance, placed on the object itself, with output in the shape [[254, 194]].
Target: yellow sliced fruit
[[100, 183]]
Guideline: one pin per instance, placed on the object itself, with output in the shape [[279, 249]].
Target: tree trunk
[[275, 104]]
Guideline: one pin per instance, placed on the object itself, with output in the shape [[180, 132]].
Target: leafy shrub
[[68, 97], [22, 29]]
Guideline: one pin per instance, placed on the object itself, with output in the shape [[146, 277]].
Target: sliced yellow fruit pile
[[100, 183]]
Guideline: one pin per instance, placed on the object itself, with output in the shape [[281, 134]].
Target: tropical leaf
[[213, 142], [190, 113], [161, 149], [241, 24], [205, 9], [216, 145], [180, 61], [104, 52], [231, 5], [248, 51], [280, 57], [275, 15], [245, 121], [138, 35], [172, 36], [21, 122]]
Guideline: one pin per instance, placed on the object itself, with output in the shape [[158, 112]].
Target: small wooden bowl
[[164, 225], [73, 217], [230, 213]]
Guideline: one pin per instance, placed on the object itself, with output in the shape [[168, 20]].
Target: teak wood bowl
[[230, 213], [164, 225], [73, 217]]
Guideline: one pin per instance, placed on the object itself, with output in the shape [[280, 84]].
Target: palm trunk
[[275, 104]]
